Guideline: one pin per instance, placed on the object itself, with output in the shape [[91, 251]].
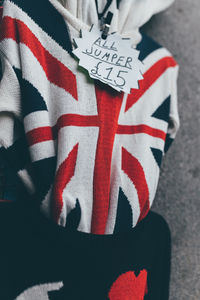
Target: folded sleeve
[[10, 106], [10, 112], [174, 121]]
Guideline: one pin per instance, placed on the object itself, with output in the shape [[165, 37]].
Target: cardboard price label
[[112, 61]]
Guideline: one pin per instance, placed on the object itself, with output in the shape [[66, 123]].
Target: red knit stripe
[[76, 120], [43, 134], [132, 167], [39, 135], [56, 71], [109, 104], [133, 129], [63, 176], [48, 133], [150, 77]]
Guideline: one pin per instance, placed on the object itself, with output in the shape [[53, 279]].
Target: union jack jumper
[[91, 156]]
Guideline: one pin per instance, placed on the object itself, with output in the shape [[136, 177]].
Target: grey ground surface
[[178, 195]]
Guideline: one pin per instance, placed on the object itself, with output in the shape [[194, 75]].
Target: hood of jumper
[[129, 15]]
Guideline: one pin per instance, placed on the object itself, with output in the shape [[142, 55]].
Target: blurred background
[[178, 195]]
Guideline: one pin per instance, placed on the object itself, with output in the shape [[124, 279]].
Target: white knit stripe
[[27, 180], [119, 179], [46, 40], [12, 51], [81, 184], [154, 57], [46, 203], [131, 193], [36, 119], [70, 136], [42, 150], [174, 115], [6, 129], [146, 139], [143, 153], [10, 106], [157, 143], [161, 89], [130, 118], [40, 291], [157, 123]]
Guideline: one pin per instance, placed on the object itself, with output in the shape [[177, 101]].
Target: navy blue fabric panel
[[157, 155], [74, 217], [118, 3], [162, 112], [2, 157], [17, 155], [43, 172], [2, 174], [31, 99], [1, 73], [168, 143], [10, 185], [13, 159], [124, 219], [147, 46], [48, 18]]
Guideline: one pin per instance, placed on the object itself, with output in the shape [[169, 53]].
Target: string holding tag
[[106, 25], [111, 60]]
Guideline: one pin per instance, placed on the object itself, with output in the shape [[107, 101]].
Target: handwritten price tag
[[112, 61]]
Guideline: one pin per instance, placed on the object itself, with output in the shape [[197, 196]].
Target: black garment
[[35, 251]]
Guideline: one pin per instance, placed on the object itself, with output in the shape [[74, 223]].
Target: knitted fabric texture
[[50, 262], [88, 155], [128, 15]]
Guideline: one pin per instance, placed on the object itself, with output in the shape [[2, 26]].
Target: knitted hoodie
[[130, 16], [89, 156]]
